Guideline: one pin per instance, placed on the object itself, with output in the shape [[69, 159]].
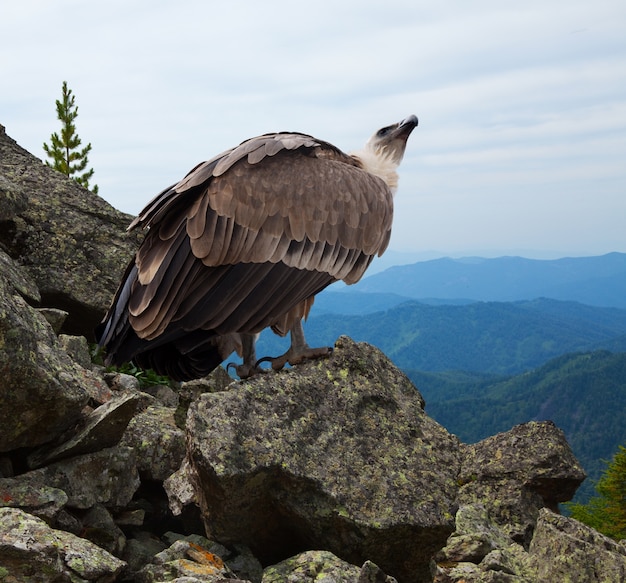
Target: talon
[[311, 354], [295, 356], [244, 371], [277, 362]]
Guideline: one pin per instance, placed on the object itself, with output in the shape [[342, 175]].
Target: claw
[[244, 371], [278, 362], [295, 356], [298, 352]]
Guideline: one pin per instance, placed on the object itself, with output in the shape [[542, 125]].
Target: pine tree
[[63, 149], [606, 512]]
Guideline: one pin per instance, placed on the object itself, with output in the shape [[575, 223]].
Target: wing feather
[[198, 218], [332, 201], [152, 307]]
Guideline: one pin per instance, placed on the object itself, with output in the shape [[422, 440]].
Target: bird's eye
[[384, 131]]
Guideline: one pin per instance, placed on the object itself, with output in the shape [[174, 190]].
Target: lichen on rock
[[336, 454]]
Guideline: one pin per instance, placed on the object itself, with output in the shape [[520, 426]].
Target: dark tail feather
[[173, 361], [115, 333]]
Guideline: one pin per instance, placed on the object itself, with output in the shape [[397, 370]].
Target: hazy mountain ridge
[[599, 280]]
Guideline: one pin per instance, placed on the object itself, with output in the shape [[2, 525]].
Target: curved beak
[[406, 126]]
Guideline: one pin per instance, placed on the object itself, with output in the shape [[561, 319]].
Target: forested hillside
[[483, 337], [584, 394]]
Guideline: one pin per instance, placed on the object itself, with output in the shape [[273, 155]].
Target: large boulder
[[108, 477], [522, 470], [42, 391], [564, 549], [71, 242], [337, 454], [32, 551]]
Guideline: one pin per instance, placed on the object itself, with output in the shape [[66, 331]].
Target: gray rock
[[42, 391], [180, 488], [312, 566], [372, 573], [522, 470], [164, 394], [244, 564], [32, 551], [19, 280], [68, 521], [122, 382], [72, 243], [56, 318], [13, 199], [159, 444], [219, 380], [512, 560], [336, 454], [466, 548], [100, 528], [103, 428], [564, 549], [323, 567], [185, 559], [32, 496], [76, 347], [506, 481], [238, 558], [107, 477], [141, 549], [479, 550]]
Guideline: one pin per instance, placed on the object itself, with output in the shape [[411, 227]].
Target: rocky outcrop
[[528, 468], [328, 471], [566, 550], [32, 551], [561, 549], [35, 370], [341, 448], [71, 243]]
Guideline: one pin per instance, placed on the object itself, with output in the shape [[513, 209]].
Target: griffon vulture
[[244, 242]]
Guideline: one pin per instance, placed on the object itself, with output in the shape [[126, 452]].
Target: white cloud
[[518, 103]]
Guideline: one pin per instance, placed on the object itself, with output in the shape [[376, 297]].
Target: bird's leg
[[249, 367], [299, 351]]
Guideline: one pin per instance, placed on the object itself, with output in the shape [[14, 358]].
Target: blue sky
[[521, 146]]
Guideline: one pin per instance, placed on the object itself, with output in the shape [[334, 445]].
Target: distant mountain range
[[495, 316], [597, 281]]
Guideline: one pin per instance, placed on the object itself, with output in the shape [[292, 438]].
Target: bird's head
[[390, 141], [384, 151]]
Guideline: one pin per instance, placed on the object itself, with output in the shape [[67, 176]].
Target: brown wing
[[247, 236]]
